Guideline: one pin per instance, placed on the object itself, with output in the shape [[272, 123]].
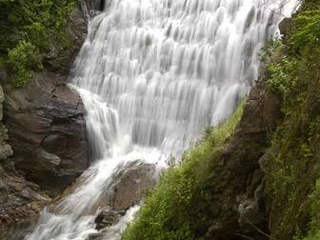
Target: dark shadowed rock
[[61, 60], [46, 127], [285, 26], [107, 218], [95, 236], [239, 206]]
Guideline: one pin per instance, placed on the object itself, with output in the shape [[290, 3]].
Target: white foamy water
[[152, 75]]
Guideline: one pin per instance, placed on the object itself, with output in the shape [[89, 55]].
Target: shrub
[[23, 60], [40, 24], [292, 174], [168, 211]]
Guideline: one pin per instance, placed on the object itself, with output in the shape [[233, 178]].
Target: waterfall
[[152, 75]]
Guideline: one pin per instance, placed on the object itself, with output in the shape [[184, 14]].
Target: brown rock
[[46, 127], [130, 184], [127, 189], [20, 201], [238, 189]]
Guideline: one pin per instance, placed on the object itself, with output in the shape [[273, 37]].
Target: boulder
[[130, 184], [47, 132], [127, 189]]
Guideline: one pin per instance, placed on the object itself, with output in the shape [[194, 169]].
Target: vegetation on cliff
[[169, 210], [292, 176], [29, 31]]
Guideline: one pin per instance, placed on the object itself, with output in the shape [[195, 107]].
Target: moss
[[169, 210], [40, 23], [291, 177]]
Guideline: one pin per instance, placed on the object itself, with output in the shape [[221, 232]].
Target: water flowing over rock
[[152, 75]]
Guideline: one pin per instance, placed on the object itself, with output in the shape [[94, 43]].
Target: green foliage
[[291, 177], [23, 59], [168, 211], [307, 31], [269, 50], [280, 78], [40, 23], [315, 212], [314, 230]]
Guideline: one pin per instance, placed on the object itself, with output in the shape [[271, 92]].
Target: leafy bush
[[168, 211], [307, 31], [40, 24], [23, 60]]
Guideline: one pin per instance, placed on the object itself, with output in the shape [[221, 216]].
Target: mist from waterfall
[[153, 74]]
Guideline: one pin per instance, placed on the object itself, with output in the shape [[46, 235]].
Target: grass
[[169, 211]]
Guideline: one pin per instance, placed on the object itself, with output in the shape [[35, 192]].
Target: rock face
[[20, 201], [127, 189], [61, 60], [45, 119], [239, 187], [45, 122], [47, 131], [107, 218], [5, 149]]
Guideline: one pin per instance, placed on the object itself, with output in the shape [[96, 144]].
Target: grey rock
[[95, 236], [129, 185], [20, 201], [46, 127], [127, 189]]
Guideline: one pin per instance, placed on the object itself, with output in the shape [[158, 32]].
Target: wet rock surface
[[107, 218], [129, 185], [46, 127]]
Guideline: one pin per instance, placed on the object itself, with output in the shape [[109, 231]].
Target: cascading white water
[[153, 74]]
